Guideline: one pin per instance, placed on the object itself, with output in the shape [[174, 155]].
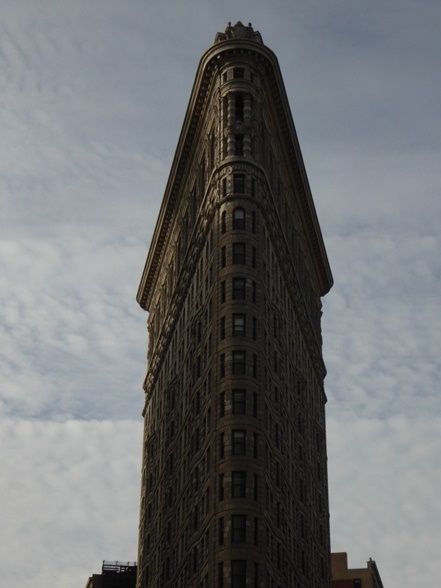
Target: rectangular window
[[256, 487], [221, 530], [238, 108], [221, 486], [254, 293], [239, 363], [222, 327], [256, 531], [222, 404], [238, 442], [254, 404], [238, 528], [238, 573], [222, 365], [223, 256], [254, 365], [253, 261], [195, 518], [238, 484], [220, 574], [238, 219], [253, 221], [221, 445], [255, 444], [254, 328], [239, 183], [222, 291], [239, 288], [238, 325], [239, 401], [239, 250], [239, 145], [224, 221], [207, 460], [238, 73]]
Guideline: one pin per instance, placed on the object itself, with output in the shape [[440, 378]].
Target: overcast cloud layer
[[92, 98]]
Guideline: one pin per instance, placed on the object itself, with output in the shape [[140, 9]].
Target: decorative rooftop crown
[[239, 31]]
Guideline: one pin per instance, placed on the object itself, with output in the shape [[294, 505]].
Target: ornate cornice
[[239, 31]]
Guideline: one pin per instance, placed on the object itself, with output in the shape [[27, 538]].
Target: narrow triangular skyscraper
[[234, 475]]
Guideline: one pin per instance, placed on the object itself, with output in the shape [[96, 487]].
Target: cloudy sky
[[92, 98]]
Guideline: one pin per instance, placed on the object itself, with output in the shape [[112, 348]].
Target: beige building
[[344, 577], [234, 475]]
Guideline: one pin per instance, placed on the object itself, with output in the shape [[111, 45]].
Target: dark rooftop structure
[[115, 574]]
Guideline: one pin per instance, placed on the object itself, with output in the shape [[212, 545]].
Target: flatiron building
[[234, 475]]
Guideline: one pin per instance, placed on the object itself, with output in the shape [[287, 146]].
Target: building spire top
[[239, 31]]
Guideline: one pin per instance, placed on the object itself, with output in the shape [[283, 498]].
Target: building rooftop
[[239, 31]]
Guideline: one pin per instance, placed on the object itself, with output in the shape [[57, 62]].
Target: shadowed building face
[[234, 478]]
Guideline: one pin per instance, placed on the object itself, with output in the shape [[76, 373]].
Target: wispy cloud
[[75, 494], [385, 492], [92, 98]]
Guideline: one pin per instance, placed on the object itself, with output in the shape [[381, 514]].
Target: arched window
[[238, 218]]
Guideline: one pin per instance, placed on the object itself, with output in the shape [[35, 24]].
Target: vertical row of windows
[[240, 255], [177, 425]]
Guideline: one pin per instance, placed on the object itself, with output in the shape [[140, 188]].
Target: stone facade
[[234, 476]]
